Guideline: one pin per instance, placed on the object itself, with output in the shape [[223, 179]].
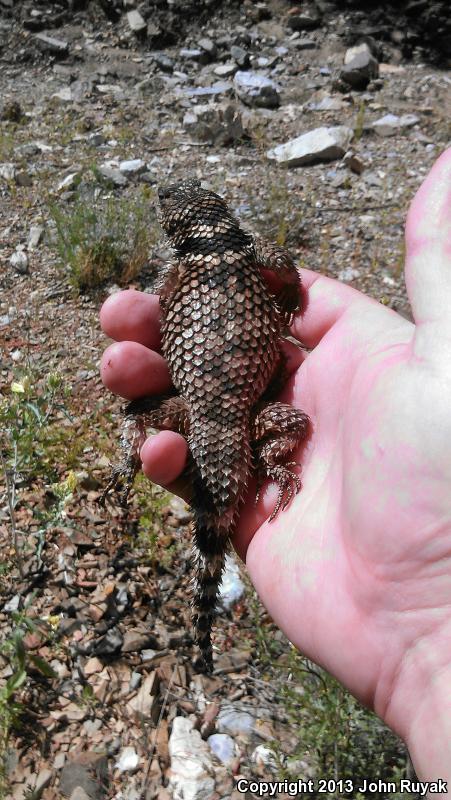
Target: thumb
[[428, 256]]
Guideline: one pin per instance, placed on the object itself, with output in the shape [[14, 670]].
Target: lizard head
[[187, 212]]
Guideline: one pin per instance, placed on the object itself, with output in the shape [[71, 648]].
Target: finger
[[132, 316], [164, 457], [326, 300], [428, 247], [131, 370]]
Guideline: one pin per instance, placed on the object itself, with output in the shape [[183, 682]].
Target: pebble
[[391, 124], [191, 768], [223, 746], [320, 144], [136, 22], [255, 89], [128, 760]]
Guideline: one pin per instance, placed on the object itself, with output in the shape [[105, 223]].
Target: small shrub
[[104, 239]]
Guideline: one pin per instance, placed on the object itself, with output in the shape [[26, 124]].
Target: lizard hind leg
[[163, 413], [277, 430]]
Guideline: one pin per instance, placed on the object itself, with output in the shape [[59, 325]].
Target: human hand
[[356, 570]]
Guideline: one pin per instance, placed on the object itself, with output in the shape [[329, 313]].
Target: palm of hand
[[348, 570], [356, 570]]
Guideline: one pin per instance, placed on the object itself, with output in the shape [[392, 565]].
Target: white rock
[[256, 90], [128, 760], [357, 50], [264, 756], [7, 171], [390, 123], [235, 721], [321, 144], [135, 21], [132, 167], [223, 747], [69, 182], [35, 236], [191, 768], [19, 261]]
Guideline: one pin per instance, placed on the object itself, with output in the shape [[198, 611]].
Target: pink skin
[[357, 570]]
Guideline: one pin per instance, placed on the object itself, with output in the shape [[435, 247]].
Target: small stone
[[321, 144], [223, 746], [240, 55], [128, 760], [136, 23], [23, 179], [133, 167], [191, 768], [301, 21], [220, 124], [51, 45], [353, 162], [109, 644], [19, 260], [225, 70], [360, 67], [112, 174], [59, 761], [391, 124], [208, 47], [257, 90], [11, 111], [92, 666], [235, 721], [35, 236], [136, 640], [43, 780], [65, 94], [7, 172], [164, 62], [145, 700], [80, 794], [69, 182]]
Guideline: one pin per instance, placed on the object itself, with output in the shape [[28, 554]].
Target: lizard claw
[[289, 484]]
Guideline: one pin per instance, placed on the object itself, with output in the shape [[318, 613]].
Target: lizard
[[221, 327]]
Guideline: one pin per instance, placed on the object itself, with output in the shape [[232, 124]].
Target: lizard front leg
[[278, 261], [163, 413], [277, 429]]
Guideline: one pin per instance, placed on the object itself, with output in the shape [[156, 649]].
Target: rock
[[191, 768], [353, 162], [128, 760], [92, 666], [86, 771], [257, 90], [79, 794], [7, 172], [326, 103], [109, 644], [235, 721], [240, 55], [133, 167], [305, 44], [19, 260], [264, 756], [70, 182], [112, 174], [225, 70], [219, 124], [190, 54], [57, 47], [135, 21], [35, 236], [301, 21], [219, 87], [232, 587], [391, 124], [136, 640], [23, 179], [43, 780], [360, 67], [223, 746], [208, 48], [146, 699], [321, 144], [164, 62]]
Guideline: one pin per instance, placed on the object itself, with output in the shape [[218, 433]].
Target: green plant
[[359, 122], [20, 661], [30, 421], [106, 239]]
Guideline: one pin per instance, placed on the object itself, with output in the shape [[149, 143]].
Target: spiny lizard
[[221, 334]]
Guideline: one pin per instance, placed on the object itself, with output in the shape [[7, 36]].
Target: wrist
[[419, 708]]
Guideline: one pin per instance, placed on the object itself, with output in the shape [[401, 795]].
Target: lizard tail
[[220, 478], [206, 581]]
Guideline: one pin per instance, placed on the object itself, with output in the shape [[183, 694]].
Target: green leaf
[[15, 682], [42, 666]]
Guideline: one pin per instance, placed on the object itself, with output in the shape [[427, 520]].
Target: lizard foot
[[289, 484]]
